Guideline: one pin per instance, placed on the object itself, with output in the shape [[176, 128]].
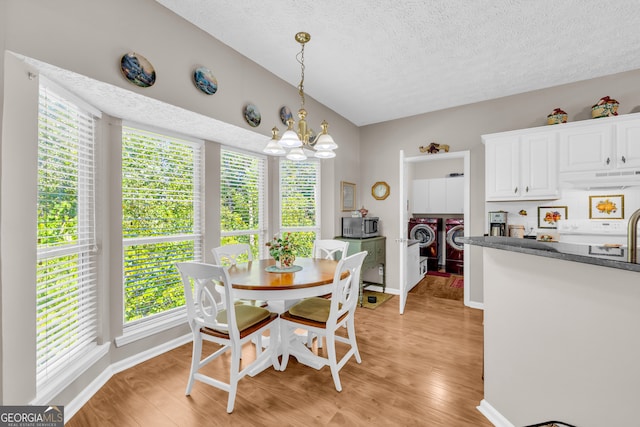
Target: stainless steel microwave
[[360, 228]]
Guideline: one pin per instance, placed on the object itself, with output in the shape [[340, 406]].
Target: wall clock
[[380, 190]]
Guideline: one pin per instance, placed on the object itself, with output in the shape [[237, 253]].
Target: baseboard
[[83, 397], [475, 304], [378, 288], [490, 413]]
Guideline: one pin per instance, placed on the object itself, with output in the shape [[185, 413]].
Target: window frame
[[261, 231], [151, 324], [76, 359], [317, 200]]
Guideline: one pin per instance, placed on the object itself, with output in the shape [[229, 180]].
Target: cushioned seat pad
[[312, 308], [246, 316]]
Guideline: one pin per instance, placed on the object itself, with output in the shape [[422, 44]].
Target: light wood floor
[[423, 368]]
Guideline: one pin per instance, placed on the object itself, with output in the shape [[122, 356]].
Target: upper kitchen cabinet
[[521, 165], [601, 152], [628, 144], [438, 195], [586, 148]]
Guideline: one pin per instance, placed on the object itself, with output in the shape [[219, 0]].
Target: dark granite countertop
[[614, 257]]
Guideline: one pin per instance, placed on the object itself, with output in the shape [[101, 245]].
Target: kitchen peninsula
[[560, 332]]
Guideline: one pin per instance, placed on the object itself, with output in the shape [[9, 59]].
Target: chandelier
[[297, 141]]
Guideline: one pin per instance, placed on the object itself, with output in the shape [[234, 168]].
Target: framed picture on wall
[[347, 196], [548, 216], [606, 207]]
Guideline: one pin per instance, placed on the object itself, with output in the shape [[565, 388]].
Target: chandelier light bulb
[[296, 154]]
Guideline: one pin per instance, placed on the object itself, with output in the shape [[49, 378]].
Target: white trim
[[62, 92], [162, 132], [490, 413], [151, 326], [87, 393], [72, 373], [465, 155]]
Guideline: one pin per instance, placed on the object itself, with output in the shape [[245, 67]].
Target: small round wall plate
[[137, 69], [252, 115], [285, 115], [204, 80]]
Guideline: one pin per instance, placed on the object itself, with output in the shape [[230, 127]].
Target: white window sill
[[48, 392], [151, 327]]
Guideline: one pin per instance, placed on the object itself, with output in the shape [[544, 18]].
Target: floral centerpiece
[[283, 249]]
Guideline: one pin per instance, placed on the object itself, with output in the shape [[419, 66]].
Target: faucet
[[632, 237]]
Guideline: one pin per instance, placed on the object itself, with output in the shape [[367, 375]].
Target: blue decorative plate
[[285, 115], [252, 115], [204, 80], [137, 69], [276, 269]]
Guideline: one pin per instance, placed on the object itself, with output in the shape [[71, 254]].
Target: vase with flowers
[[283, 249]]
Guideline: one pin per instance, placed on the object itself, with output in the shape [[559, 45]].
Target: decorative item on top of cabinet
[[557, 116], [434, 148], [605, 107], [363, 211]]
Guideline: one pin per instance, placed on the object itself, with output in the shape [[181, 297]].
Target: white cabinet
[[438, 195], [628, 144], [586, 148], [601, 146], [454, 196], [413, 265], [521, 166]]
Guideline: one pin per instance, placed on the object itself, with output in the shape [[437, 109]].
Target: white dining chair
[[233, 254], [327, 249], [330, 249], [324, 317], [217, 319]]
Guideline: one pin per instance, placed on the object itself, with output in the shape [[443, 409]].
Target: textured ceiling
[[373, 61]]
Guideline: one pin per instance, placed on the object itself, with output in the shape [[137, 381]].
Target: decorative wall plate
[[285, 114], [137, 69], [252, 115], [204, 80]]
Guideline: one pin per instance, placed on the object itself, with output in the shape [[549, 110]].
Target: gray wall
[[461, 128], [89, 38]]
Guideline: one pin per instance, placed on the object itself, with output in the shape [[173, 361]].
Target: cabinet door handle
[[624, 160], [608, 160], [515, 191], [526, 189]]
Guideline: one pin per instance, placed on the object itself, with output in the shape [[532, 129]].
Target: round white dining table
[[281, 289]]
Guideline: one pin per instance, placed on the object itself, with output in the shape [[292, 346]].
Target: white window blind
[[66, 270], [300, 202], [242, 199], [161, 219]]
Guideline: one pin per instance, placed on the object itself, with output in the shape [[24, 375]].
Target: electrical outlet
[[381, 270]]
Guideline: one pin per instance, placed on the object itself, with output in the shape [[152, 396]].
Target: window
[[66, 263], [242, 188], [161, 219], [300, 202]]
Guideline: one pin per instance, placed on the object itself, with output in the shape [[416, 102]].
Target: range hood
[[602, 179]]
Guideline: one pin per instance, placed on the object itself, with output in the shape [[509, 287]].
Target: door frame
[[404, 217]]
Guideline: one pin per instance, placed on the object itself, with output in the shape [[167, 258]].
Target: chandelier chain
[[300, 58]]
